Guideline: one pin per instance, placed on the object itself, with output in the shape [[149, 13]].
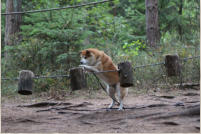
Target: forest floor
[[172, 110]]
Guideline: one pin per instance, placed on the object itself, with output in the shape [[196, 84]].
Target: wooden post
[[25, 83], [173, 67], [126, 74], [77, 78]]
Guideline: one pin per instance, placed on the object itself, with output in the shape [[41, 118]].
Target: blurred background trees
[[49, 42]]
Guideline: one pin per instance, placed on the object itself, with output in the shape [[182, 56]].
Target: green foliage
[[134, 47], [9, 88], [181, 17], [50, 41]]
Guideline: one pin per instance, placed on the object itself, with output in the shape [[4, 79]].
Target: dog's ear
[[88, 53]]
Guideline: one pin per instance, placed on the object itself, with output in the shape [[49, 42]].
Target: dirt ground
[[173, 110]]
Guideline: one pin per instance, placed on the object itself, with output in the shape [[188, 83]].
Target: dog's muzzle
[[83, 61]]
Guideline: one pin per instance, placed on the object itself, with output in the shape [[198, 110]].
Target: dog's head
[[87, 57]]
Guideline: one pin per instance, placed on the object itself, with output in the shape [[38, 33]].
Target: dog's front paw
[[87, 68], [83, 67]]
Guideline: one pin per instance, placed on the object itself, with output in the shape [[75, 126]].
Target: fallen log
[[190, 111], [183, 85], [188, 85]]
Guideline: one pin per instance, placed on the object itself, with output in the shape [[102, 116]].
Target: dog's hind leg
[[111, 92], [119, 93], [112, 95]]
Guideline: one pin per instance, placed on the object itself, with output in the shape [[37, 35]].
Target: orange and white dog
[[95, 60]]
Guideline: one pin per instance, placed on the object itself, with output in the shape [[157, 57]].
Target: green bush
[[51, 41]]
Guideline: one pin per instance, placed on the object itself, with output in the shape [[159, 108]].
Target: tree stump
[[25, 83], [126, 74], [173, 67], [77, 78]]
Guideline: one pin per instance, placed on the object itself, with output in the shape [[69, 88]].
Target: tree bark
[[126, 74], [152, 27], [173, 66], [13, 22], [18, 17], [180, 13], [9, 23], [77, 78], [25, 83]]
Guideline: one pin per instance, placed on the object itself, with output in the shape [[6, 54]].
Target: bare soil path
[[172, 111]]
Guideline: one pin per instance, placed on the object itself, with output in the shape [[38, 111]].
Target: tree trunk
[[9, 27], [180, 13], [152, 28], [18, 17], [13, 22]]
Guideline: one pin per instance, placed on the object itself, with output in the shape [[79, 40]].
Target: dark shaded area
[[44, 104]]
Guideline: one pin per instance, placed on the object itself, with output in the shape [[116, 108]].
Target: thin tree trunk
[[18, 17], [13, 22], [152, 26], [180, 13], [9, 23]]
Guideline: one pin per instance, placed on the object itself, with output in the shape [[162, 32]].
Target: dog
[[94, 60]]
